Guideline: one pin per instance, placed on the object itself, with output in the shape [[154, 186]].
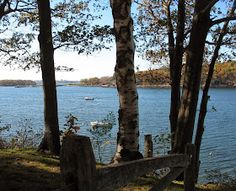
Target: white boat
[[96, 124], [88, 98]]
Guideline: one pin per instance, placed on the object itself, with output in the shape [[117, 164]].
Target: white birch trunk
[[127, 137]]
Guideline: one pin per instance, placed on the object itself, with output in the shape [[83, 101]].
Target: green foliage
[[72, 26], [84, 38], [14, 37], [101, 135]]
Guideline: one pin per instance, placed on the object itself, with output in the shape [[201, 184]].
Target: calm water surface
[[219, 142]]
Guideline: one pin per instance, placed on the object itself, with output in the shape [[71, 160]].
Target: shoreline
[[113, 86], [148, 86]]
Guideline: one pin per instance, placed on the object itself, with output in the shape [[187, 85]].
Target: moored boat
[[96, 124], [88, 98]]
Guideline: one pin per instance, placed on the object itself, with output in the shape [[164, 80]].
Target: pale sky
[[96, 65]]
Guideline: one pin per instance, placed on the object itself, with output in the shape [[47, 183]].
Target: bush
[[25, 136], [101, 135], [3, 142]]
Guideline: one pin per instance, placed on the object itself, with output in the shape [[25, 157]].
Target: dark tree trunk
[[176, 59], [51, 140], [205, 97], [171, 51], [128, 134], [192, 76], [3, 6]]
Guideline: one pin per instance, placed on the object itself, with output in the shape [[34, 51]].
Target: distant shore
[[224, 77], [145, 86], [23, 85]]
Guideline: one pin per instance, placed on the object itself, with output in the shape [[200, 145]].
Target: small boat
[[105, 85], [88, 98], [96, 124]]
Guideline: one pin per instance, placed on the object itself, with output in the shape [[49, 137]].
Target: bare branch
[[63, 45], [137, 2], [218, 21], [215, 43]]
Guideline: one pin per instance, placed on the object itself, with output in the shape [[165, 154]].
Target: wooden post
[[148, 146], [77, 163], [189, 173]]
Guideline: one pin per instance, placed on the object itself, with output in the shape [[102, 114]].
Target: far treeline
[[17, 83], [224, 76]]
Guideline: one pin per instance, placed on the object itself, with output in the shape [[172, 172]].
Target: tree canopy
[[73, 26]]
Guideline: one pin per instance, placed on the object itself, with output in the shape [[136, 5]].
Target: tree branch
[[209, 6], [218, 21], [63, 45], [137, 2], [215, 43]]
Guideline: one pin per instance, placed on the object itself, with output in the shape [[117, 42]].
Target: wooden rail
[[78, 168], [118, 175]]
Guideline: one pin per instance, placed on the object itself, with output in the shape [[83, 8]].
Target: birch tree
[[128, 134]]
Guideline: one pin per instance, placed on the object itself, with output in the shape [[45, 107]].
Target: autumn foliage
[[224, 76]]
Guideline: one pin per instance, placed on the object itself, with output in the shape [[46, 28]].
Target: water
[[219, 141]]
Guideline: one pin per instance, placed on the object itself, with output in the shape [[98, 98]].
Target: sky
[[96, 65]]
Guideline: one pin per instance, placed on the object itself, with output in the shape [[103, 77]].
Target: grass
[[26, 169]]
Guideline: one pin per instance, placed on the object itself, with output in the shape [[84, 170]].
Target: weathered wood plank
[[118, 175], [166, 181], [189, 173], [148, 146], [77, 163]]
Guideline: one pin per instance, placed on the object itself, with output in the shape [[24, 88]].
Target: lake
[[219, 141]]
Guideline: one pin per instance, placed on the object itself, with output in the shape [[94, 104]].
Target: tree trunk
[[128, 134], [51, 139], [3, 6], [176, 59], [192, 76], [205, 97]]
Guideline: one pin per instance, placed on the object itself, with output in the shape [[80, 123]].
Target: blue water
[[219, 141]]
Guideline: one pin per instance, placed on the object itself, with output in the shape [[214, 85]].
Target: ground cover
[[26, 169]]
